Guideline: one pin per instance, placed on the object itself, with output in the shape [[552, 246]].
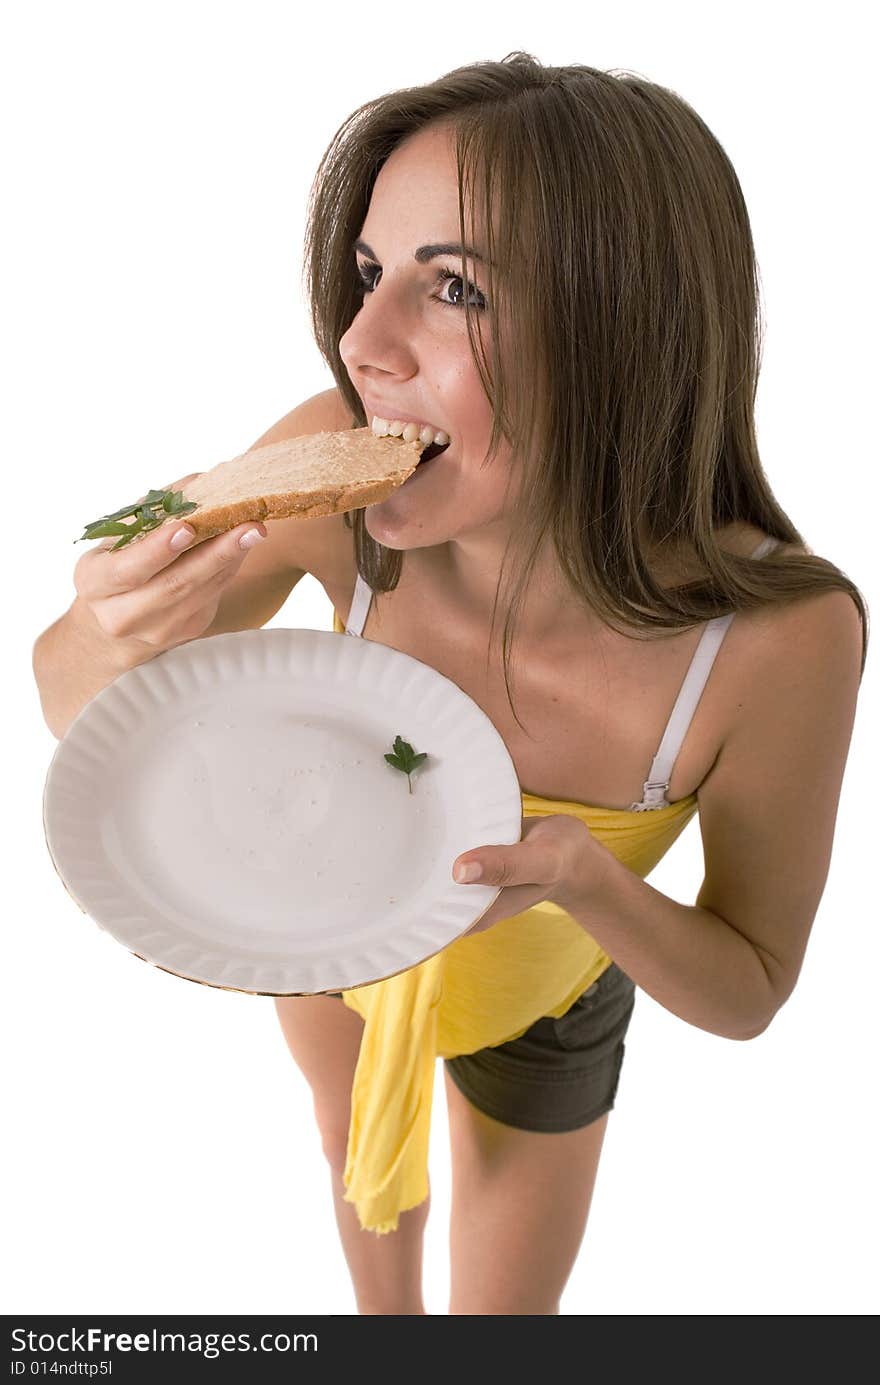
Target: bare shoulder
[[321, 545], [824, 622], [790, 647], [822, 629]]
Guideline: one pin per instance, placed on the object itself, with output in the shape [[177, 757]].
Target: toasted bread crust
[[217, 519]]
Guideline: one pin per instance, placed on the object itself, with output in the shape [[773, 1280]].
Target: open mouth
[[432, 451]]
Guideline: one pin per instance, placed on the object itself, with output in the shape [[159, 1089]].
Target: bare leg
[[324, 1037], [520, 1202], [386, 1271]]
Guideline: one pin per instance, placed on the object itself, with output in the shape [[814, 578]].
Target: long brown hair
[[623, 301]]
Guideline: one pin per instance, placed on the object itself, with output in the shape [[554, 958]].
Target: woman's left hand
[[557, 859]]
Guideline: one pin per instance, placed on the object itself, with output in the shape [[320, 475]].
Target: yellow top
[[476, 993]]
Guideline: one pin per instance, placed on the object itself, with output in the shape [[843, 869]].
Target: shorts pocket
[[599, 1018]]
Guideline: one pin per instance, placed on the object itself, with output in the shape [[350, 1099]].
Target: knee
[[334, 1143]]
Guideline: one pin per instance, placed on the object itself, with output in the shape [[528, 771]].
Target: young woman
[[553, 266]]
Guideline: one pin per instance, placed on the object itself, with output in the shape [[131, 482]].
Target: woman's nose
[[379, 334]]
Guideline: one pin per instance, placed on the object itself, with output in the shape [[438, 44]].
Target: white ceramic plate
[[226, 811]]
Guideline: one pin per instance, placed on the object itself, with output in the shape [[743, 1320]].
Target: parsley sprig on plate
[[405, 758], [149, 513]]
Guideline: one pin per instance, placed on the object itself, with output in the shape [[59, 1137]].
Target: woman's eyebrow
[[428, 252]]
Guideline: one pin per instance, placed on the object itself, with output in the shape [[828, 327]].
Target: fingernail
[[183, 536], [250, 538], [466, 874]]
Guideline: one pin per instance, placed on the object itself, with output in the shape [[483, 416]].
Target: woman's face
[[407, 351]]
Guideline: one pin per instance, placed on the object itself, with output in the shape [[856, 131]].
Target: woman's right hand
[[151, 597]]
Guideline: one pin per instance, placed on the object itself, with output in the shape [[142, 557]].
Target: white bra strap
[[654, 795], [655, 786], [360, 605], [766, 546]]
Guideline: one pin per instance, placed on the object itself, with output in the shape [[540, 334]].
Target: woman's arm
[[767, 815]]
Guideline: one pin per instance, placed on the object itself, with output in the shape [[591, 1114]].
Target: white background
[[161, 1153]]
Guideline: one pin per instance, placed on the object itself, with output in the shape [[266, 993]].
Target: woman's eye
[[367, 275], [446, 275]]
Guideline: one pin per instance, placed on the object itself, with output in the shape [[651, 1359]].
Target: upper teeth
[[409, 431]]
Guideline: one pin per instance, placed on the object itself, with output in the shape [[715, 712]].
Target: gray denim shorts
[[561, 1074]]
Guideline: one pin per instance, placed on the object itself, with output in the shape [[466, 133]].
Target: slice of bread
[[318, 474]]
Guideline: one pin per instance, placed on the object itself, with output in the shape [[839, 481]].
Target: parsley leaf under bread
[[151, 511]]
